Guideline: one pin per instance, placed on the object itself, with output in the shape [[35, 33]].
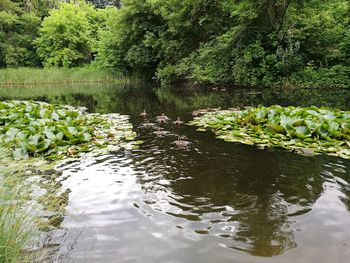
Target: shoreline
[[8, 84]]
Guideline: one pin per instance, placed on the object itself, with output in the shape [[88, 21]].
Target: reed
[[21, 222], [17, 230], [30, 76]]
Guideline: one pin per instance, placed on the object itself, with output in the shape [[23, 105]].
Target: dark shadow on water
[[243, 195], [247, 199]]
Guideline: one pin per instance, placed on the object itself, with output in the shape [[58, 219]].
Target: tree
[[18, 29], [105, 3], [122, 43], [67, 35], [244, 42]]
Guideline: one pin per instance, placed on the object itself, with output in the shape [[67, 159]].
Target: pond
[[212, 202]]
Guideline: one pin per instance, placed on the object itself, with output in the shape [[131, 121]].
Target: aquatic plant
[[46, 133], [14, 237], [32, 129], [309, 130], [31, 76], [23, 219]]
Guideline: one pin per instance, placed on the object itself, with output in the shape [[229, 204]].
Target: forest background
[[245, 43]]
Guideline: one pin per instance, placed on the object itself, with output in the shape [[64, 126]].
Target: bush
[[68, 36], [225, 42]]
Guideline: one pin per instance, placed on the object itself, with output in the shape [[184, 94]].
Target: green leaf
[[50, 135], [302, 132], [333, 126], [278, 128], [87, 137], [72, 130], [55, 116], [34, 139], [11, 133], [322, 130], [20, 154]]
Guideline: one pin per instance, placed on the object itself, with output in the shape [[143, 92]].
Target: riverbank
[[25, 220], [14, 233], [31, 76]]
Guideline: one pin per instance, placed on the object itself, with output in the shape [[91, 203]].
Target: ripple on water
[[162, 204]]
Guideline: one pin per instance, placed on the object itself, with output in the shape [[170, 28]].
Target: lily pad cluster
[[308, 131], [38, 129]]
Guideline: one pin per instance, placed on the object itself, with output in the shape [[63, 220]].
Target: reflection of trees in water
[[257, 186], [298, 97], [302, 182], [341, 173], [277, 181], [133, 98], [77, 99], [265, 229], [192, 99]]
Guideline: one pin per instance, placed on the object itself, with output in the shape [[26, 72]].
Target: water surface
[[212, 202]]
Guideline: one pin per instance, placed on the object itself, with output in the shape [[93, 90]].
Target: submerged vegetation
[[308, 131], [53, 131]]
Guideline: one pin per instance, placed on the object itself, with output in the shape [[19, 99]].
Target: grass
[[29, 76], [17, 227], [24, 211], [52, 90]]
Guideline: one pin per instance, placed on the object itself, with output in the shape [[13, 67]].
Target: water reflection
[[258, 202], [212, 202], [244, 196], [133, 98]]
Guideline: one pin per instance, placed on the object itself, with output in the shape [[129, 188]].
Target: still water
[[212, 202]]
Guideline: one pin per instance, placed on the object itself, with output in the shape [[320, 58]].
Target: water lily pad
[[319, 130], [30, 129]]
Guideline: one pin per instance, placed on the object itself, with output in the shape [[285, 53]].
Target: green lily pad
[[29, 129], [323, 130]]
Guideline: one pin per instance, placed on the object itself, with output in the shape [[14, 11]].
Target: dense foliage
[[17, 31], [69, 35], [41, 129], [244, 42], [307, 130], [50, 32], [104, 3]]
